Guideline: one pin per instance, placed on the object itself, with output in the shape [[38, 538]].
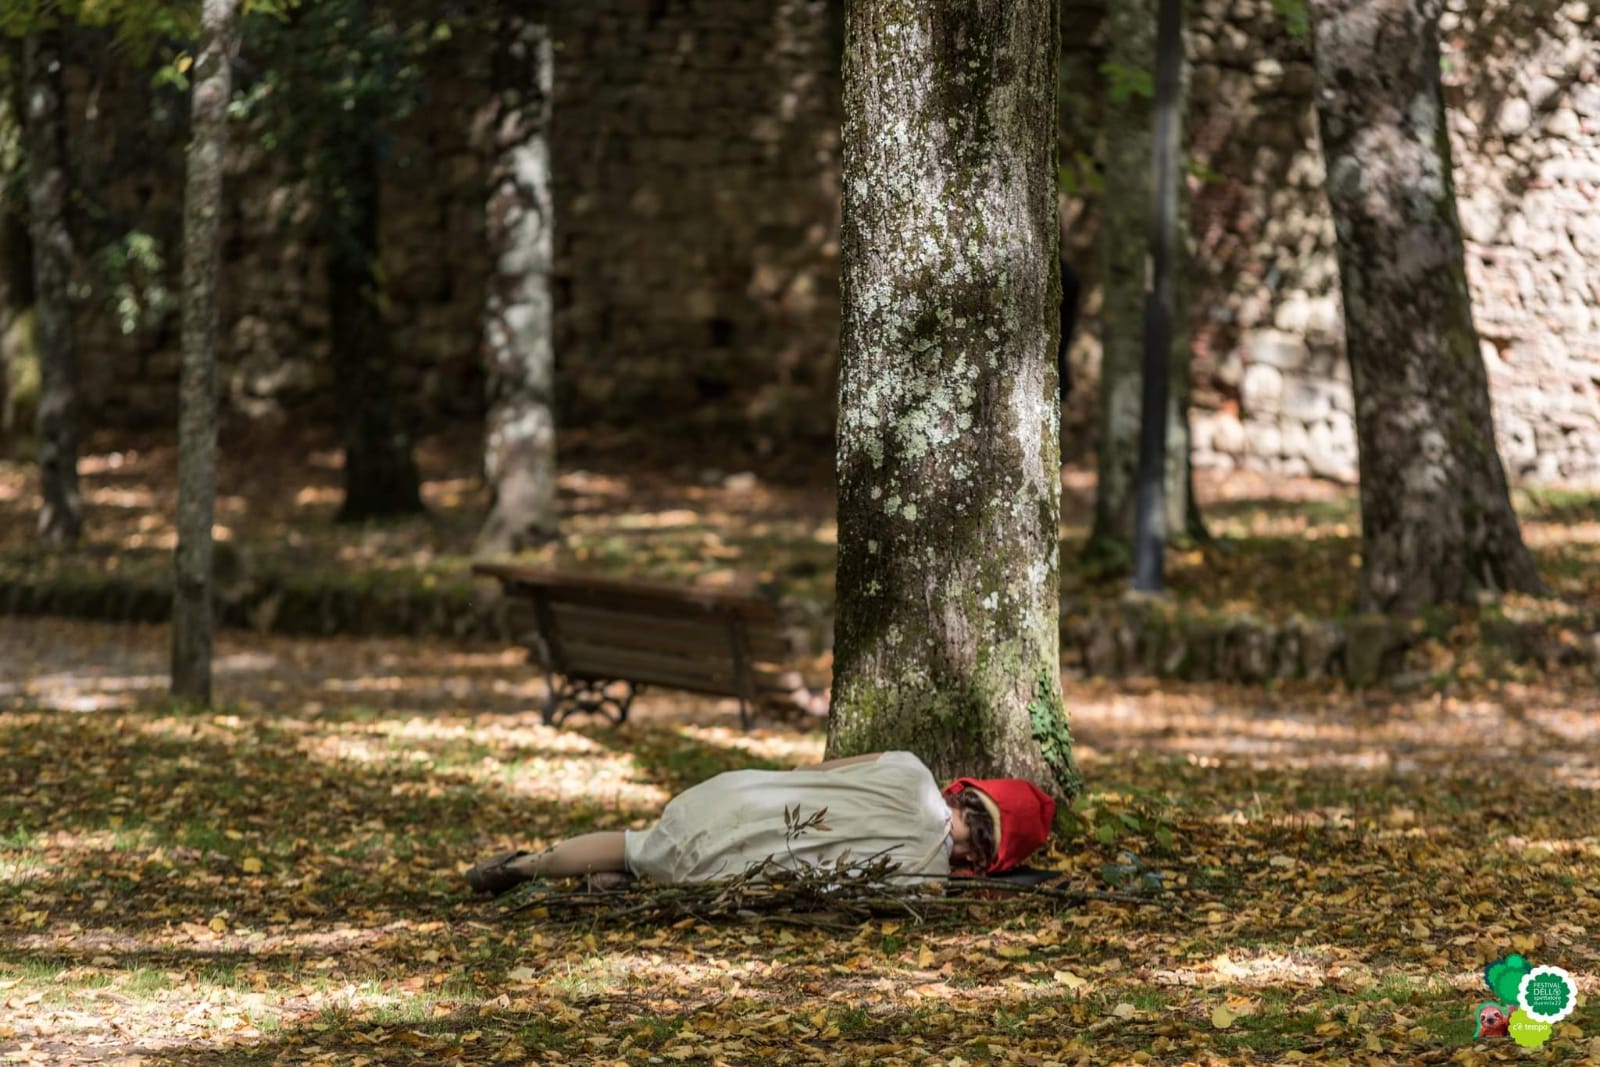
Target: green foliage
[[1198, 168], [1080, 177], [334, 76], [134, 271], [1049, 726], [139, 25], [1295, 14], [1126, 81], [1133, 813]]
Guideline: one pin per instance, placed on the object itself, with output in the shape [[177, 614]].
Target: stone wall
[[1523, 89], [695, 152], [696, 162], [1272, 388], [696, 169]]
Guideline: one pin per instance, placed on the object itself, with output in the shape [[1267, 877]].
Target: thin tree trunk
[[197, 418], [519, 454], [380, 474], [1436, 517], [16, 250], [947, 638], [61, 518], [16, 300], [1124, 244]]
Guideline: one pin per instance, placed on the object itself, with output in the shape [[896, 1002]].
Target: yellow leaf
[[925, 957], [251, 865], [1221, 1017], [184, 63], [219, 924], [1124, 1010], [1070, 980], [1373, 1044], [1011, 952]]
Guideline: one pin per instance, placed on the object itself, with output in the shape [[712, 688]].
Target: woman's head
[[974, 831], [1018, 815]]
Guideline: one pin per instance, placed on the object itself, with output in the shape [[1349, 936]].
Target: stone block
[[1375, 647], [1264, 437], [1227, 435], [1307, 401], [1295, 441], [1275, 348], [1262, 389]]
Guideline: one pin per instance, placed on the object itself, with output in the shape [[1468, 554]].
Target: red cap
[[1026, 814]]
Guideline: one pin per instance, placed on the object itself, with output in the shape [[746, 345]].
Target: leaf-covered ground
[[278, 882], [1281, 546]]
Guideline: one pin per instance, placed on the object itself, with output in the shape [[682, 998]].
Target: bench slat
[[633, 626], [646, 632], [652, 598], [643, 669]]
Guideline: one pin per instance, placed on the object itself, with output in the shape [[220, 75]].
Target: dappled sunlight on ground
[[1281, 545], [278, 881]]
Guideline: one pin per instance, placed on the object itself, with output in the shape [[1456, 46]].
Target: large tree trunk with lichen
[[1437, 523], [197, 390], [519, 454], [1124, 245], [946, 640], [45, 141]]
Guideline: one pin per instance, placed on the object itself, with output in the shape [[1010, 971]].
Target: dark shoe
[[496, 875]]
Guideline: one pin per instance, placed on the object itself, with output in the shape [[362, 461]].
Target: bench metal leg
[[587, 696]]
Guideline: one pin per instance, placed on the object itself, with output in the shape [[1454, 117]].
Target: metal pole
[[1149, 535]]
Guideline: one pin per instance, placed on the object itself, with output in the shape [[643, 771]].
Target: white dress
[[720, 827]]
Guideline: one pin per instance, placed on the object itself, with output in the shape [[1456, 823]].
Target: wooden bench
[[600, 640]]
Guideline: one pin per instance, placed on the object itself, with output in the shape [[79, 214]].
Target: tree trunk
[[947, 639], [16, 301], [519, 454], [16, 250], [197, 396], [1124, 246], [45, 139], [1436, 518], [380, 474]]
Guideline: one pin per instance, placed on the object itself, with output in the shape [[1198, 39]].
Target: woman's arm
[[847, 761]]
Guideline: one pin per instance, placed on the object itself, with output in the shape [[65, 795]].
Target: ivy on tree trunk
[[519, 454], [1436, 517], [45, 133], [946, 640], [197, 416]]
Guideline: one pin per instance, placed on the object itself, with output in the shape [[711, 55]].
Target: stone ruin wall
[[1272, 389], [696, 156], [695, 149]]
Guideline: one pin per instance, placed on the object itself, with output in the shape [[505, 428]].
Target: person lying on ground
[[883, 804]]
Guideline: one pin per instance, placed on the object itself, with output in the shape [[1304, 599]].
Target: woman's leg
[[585, 854]]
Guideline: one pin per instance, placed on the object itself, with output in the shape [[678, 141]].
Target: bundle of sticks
[[838, 896]]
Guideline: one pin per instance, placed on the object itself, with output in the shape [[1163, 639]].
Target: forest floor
[[279, 881], [1280, 546]]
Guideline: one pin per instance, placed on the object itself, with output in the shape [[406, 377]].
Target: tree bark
[[946, 640], [380, 473], [1124, 245], [16, 249], [1436, 517], [197, 395], [519, 454], [45, 138]]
